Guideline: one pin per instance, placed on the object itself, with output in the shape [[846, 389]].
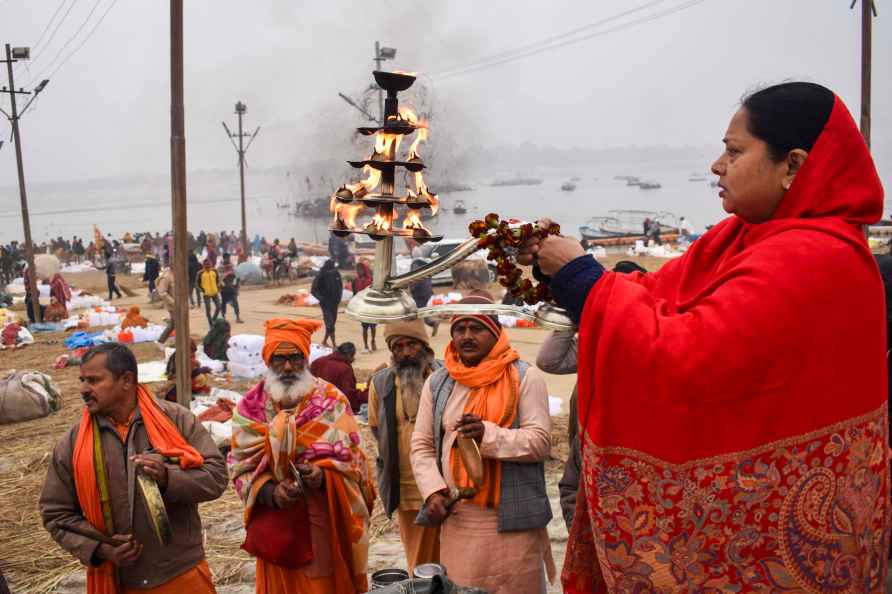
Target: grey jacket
[[388, 461], [558, 355], [185, 490]]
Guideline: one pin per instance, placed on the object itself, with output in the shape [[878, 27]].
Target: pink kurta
[[473, 551]]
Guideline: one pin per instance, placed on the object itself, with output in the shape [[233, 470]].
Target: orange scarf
[[164, 437], [495, 392]]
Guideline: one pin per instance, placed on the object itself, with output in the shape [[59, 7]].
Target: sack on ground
[[26, 395]]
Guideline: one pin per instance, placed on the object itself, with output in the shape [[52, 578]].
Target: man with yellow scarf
[[494, 537]]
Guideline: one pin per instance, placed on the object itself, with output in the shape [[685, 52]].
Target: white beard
[[288, 395]]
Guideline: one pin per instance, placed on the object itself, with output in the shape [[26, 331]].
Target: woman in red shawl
[[732, 405], [60, 291]]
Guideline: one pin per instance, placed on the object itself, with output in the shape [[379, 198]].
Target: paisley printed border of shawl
[[798, 525]]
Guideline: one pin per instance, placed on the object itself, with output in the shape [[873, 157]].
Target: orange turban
[[296, 332]]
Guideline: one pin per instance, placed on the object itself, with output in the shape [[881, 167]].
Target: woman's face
[[752, 185]]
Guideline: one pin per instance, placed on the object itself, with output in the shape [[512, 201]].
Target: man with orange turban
[[486, 398], [298, 465]]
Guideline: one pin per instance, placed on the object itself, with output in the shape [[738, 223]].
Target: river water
[[143, 204]]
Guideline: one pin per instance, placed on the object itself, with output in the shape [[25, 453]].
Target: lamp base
[[380, 307]]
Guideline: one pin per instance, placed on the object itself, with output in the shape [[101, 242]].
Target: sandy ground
[[34, 564]]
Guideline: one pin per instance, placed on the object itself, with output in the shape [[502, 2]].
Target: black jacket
[[328, 286]]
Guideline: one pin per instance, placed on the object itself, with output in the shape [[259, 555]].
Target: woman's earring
[[786, 185]]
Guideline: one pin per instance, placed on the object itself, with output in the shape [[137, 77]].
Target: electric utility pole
[[241, 149], [14, 55], [868, 12], [183, 361]]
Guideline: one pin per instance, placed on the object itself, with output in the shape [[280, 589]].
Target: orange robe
[[195, 581]]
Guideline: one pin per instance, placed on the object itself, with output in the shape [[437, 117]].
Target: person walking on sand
[[328, 288], [111, 272], [363, 280], [230, 289], [209, 283]]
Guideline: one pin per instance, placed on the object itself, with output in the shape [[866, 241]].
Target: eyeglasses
[[279, 360]]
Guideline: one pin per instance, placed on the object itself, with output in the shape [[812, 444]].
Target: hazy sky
[[674, 80]]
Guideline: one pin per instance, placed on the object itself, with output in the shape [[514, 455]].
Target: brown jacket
[[165, 288], [185, 490]]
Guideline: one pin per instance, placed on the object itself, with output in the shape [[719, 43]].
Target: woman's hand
[[551, 253]]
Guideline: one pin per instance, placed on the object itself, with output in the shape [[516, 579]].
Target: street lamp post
[[240, 110], [14, 55]]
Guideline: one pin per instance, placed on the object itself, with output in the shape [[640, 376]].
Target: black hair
[[347, 349], [118, 359], [628, 266], [788, 116]]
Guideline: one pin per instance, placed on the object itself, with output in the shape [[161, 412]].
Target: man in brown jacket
[[165, 292], [136, 434]]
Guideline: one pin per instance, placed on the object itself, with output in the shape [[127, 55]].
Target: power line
[[72, 38], [551, 39], [47, 28], [55, 30], [512, 58], [84, 40]]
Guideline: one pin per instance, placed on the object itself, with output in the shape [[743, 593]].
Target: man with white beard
[[394, 394], [298, 465]]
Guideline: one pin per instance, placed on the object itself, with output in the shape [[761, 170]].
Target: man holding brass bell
[[123, 486], [298, 465], [394, 396], [481, 437]]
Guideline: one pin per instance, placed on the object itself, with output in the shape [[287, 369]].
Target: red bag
[[280, 536]]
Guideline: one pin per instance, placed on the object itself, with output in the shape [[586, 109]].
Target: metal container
[[386, 577], [427, 571]]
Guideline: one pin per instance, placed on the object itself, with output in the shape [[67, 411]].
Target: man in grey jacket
[[92, 487], [394, 396]]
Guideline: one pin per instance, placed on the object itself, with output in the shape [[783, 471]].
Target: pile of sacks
[[655, 251], [512, 322], [26, 395], [244, 354], [451, 297], [215, 410], [246, 358], [301, 298], [104, 316], [84, 266], [14, 336], [133, 335]]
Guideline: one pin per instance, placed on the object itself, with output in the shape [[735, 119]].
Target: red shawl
[[363, 277], [733, 404], [59, 289]]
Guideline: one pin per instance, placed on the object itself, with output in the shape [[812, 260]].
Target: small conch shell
[[471, 458]]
